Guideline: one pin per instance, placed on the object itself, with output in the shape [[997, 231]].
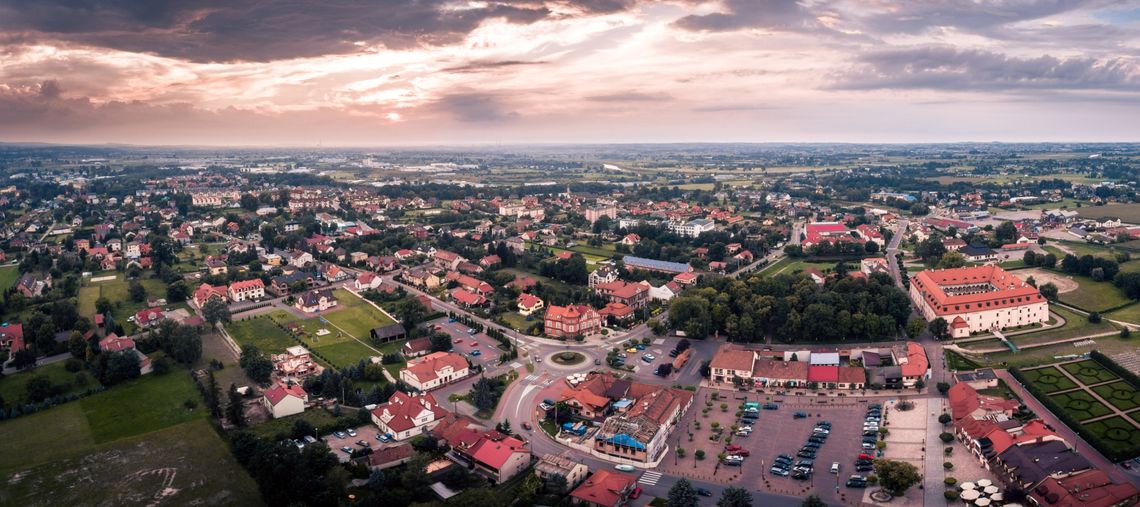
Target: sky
[[428, 72]]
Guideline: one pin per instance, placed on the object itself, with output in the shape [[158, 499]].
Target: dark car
[[818, 440], [864, 468], [704, 492], [771, 406], [782, 472], [812, 445], [801, 476], [806, 454], [799, 415], [856, 481]]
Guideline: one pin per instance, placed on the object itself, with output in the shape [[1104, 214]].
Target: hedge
[[1112, 453]]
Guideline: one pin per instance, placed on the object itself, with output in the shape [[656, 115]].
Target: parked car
[[800, 415], [732, 447], [476, 352], [771, 406], [471, 330], [340, 434], [309, 439], [346, 449], [363, 443], [782, 472], [351, 432], [704, 492], [835, 467], [636, 493], [596, 361], [649, 358], [857, 481], [624, 468], [742, 453]]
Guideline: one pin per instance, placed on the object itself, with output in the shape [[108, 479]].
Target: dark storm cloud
[[946, 68], [475, 107], [783, 15], [222, 30]]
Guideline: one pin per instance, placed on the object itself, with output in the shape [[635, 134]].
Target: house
[[953, 244], [148, 317], [872, 265], [977, 299], [665, 292], [1090, 488], [283, 400], [12, 336], [685, 279], [561, 465], [730, 362], [216, 266], [296, 362], [416, 348], [490, 260], [404, 416], [573, 320], [247, 290], [206, 292], [391, 332], [281, 284], [529, 303], [332, 273], [604, 274], [604, 489], [391, 456], [634, 295], [115, 343], [979, 254], [630, 239], [32, 287], [435, 370], [914, 364], [315, 301], [494, 455], [367, 281], [516, 244], [617, 311], [447, 260], [467, 299], [421, 278]]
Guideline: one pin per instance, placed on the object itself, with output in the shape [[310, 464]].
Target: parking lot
[[775, 432], [466, 343], [365, 433]]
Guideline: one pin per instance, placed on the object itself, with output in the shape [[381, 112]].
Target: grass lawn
[[956, 361], [606, 250], [1129, 314], [1075, 325], [1089, 372], [87, 297], [1121, 395], [183, 465], [8, 276], [261, 332], [1130, 266], [515, 321], [1081, 248], [1080, 404], [142, 405], [1115, 432], [13, 387], [356, 316], [1049, 379], [1094, 296], [320, 418], [1126, 212], [345, 353], [117, 291], [23, 445]]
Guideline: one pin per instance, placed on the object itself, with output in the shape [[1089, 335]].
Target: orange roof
[[916, 363], [604, 488], [247, 284], [278, 392], [1008, 290], [425, 368], [528, 300]]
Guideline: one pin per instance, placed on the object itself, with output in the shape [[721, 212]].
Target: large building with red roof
[[404, 416], [977, 299], [604, 489], [12, 337], [435, 370], [573, 320]]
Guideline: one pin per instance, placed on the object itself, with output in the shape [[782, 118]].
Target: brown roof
[[852, 375], [731, 357], [781, 370], [386, 455]]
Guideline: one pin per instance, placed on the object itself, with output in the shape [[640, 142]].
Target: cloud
[[951, 69], [225, 31], [474, 107], [779, 15], [976, 16], [483, 66], [630, 96]]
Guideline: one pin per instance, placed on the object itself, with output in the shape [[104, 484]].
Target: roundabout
[[567, 358]]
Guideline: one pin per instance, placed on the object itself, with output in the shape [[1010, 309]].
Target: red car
[[866, 456], [636, 493], [740, 452], [526, 425], [732, 448], [459, 342]]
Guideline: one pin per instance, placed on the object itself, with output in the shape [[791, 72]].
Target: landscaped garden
[[1089, 372], [1120, 394], [1049, 379], [1080, 404]]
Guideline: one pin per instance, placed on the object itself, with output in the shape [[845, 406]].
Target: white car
[[835, 467]]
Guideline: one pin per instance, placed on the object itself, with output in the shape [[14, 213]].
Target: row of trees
[[792, 308]]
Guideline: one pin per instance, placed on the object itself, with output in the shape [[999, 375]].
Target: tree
[[950, 260], [248, 202], [915, 327], [944, 418], [39, 388], [121, 366], [483, 394], [177, 292], [1005, 233], [136, 291], [215, 311], [234, 411], [1049, 290], [23, 359], [940, 328], [871, 247], [181, 342], [896, 476], [813, 501], [440, 342], [103, 305], [735, 497], [682, 494], [943, 387], [256, 365], [77, 345], [411, 312], [1094, 318]]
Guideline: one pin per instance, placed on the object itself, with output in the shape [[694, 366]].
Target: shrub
[[700, 454], [72, 365], [944, 419], [950, 481], [948, 465], [950, 494], [946, 437]]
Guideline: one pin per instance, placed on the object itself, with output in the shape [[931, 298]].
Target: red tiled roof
[[1011, 291], [604, 487], [528, 300], [115, 343], [278, 392], [916, 364], [13, 334], [823, 374], [425, 368], [467, 298], [247, 284], [730, 357], [495, 453]]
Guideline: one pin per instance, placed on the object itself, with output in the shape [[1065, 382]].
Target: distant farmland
[[1127, 212]]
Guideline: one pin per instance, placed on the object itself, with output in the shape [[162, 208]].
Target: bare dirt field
[[1064, 284]]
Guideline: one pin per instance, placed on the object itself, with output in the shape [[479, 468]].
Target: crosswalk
[[649, 478], [531, 378]]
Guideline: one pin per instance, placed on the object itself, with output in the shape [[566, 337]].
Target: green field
[[1115, 431], [141, 405], [1089, 372], [1129, 314], [1080, 248], [339, 348], [1048, 379], [1121, 395], [187, 464], [117, 291], [1080, 404], [788, 265], [1094, 296], [8, 276], [13, 388], [320, 418], [1075, 326], [261, 332], [355, 316], [1127, 212]]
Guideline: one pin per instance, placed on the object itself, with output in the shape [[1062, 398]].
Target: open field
[[1064, 283], [13, 388], [117, 291], [356, 316], [141, 405], [1130, 314], [318, 417], [8, 276], [1127, 212], [261, 332], [1075, 325], [1049, 379], [340, 349], [788, 265], [186, 464], [1094, 296]]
